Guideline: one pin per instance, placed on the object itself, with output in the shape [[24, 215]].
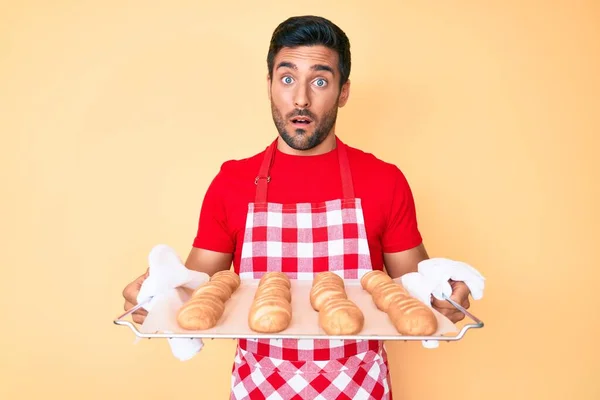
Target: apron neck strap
[[263, 178], [346, 175]]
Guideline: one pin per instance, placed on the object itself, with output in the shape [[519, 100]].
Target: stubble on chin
[[302, 139]]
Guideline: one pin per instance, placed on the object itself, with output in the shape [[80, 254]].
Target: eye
[[321, 82], [287, 80]]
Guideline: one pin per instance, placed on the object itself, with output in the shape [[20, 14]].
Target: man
[[331, 207]]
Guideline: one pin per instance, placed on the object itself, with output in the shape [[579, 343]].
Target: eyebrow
[[316, 67]]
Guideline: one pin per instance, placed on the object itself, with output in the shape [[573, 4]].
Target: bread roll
[[274, 289], [324, 291], [269, 314], [337, 314], [329, 276], [229, 277], [386, 292], [411, 317], [274, 283], [210, 300], [341, 317], [218, 288], [271, 309], [206, 304], [373, 278], [200, 312], [275, 276]]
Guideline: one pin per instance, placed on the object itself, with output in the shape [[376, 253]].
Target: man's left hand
[[460, 294]]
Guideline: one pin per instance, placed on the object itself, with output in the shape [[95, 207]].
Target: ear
[[269, 86], [344, 94]]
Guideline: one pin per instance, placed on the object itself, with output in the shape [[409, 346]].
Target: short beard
[[302, 141]]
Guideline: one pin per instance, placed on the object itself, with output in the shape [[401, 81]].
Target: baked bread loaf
[[271, 309], [411, 317], [274, 288], [328, 276], [338, 315], [374, 278], [270, 314], [217, 288], [206, 304], [386, 292], [341, 317], [276, 276], [229, 277], [322, 292], [200, 312]]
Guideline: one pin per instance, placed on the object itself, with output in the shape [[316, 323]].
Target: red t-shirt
[[387, 201]]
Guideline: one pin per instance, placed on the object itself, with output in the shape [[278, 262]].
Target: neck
[[325, 146]]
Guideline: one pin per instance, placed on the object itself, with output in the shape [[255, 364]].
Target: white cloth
[[433, 276], [432, 279], [166, 272]]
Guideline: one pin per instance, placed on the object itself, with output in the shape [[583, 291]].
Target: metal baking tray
[[161, 320]]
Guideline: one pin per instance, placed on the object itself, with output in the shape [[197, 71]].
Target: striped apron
[[301, 240]]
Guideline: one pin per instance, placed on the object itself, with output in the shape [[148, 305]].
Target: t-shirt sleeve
[[401, 229], [213, 230]]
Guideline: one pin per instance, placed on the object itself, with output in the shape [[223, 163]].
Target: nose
[[301, 97]]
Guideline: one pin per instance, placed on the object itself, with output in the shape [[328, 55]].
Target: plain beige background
[[115, 116]]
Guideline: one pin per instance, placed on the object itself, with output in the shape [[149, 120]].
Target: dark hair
[[311, 30]]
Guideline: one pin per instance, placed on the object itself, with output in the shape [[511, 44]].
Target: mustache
[[301, 113]]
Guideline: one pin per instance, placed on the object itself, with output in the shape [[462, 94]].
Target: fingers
[[138, 319], [131, 290], [138, 315], [130, 294], [442, 304], [460, 290], [455, 316], [446, 305], [460, 294], [465, 303], [452, 314], [139, 311], [461, 298]]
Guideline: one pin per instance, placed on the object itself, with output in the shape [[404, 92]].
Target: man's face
[[305, 94]]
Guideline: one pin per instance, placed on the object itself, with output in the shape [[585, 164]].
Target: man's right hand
[[130, 294], [201, 260]]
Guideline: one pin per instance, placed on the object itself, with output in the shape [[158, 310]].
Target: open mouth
[[301, 121]]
